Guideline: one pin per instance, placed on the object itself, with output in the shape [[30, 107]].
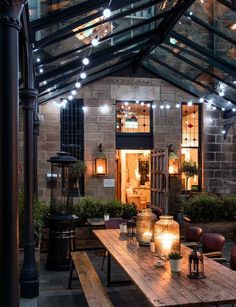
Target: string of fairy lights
[[221, 87]]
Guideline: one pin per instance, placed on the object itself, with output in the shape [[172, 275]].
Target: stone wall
[[218, 155]]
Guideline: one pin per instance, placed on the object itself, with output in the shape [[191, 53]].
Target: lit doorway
[[133, 177]]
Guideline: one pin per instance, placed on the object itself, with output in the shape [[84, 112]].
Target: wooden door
[[159, 179]]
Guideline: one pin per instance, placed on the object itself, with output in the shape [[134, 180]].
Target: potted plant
[[190, 169], [77, 171], [175, 261]]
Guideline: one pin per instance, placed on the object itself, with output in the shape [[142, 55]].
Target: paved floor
[[54, 293]]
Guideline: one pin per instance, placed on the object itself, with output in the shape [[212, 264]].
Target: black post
[[10, 12], [29, 283], [36, 134]]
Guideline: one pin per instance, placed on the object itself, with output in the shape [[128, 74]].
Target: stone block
[[213, 147], [106, 128], [222, 174], [224, 156], [106, 119], [211, 138]]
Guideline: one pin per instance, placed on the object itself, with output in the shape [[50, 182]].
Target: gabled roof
[[188, 43]]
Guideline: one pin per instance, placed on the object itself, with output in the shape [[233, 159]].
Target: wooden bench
[[94, 291]]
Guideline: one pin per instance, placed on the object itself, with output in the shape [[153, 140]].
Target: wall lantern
[[100, 162], [166, 236], [144, 226], [173, 161], [196, 265]]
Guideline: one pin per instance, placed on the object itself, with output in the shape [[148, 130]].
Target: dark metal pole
[[10, 12], [29, 282], [36, 134]]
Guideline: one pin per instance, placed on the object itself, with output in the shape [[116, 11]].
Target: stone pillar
[[29, 283], [10, 12]]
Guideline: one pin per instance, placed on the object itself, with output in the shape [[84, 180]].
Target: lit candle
[[146, 237], [100, 170], [171, 170]]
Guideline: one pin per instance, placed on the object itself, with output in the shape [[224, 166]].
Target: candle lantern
[[100, 167], [166, 236], [196, 265], [173, 161], [145, 222]]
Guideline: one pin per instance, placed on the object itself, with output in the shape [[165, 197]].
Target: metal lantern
[[166, 236], [100, 167], [144, 226], [61, 220], [196, 265]]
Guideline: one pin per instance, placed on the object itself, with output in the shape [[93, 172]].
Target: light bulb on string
[[221, 93], [41, 70], [70, 97], [167, 106], [234, 109], [222, 109], [83, 75], [201, 100], [94, 42], [177, 105], [107, 13], [85, 61], [38, 60], [154, 106], [77, 84], [73, 92]]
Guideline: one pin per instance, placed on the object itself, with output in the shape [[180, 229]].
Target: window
[[72, 132], [191, 141], [133, 117]]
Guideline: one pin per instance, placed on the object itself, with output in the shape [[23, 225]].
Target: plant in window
[[190, 169]]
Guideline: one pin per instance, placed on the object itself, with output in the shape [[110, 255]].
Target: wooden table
[[159, 285]]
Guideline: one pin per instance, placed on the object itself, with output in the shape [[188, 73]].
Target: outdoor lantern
[[166, 236], [173, 161], [100, 162], [61, 220], [144, 226], [196, 265]]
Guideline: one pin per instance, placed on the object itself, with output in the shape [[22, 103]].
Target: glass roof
[[194, 40]]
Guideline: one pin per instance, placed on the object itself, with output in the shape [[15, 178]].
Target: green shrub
[[91, 207], [129, 211], [229, 206], [40, 211], [204, 208]]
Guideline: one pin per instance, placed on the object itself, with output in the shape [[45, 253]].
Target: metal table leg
[[108, 269]]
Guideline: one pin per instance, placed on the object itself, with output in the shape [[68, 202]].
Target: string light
[[223, 131], [161, 107], [73, 92], [137, 101], [41, 70], [154, 106], [221, 93], [234, 109], [201, 100], [85, 61], [107, 13], [38, 60], [223, 109], [83, 75], [77, 84], [167, 106], [190, 103], [177, 105], [44, 82], [70, 97], [95, 42], [213, 107]]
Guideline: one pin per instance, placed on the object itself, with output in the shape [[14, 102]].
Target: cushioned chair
[[193, 234], [212, 244], [113, 223], [233, 258]]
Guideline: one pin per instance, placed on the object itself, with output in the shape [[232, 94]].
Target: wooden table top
[[159, 284]]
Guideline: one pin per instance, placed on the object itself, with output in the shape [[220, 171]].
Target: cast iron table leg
[[108, 270]]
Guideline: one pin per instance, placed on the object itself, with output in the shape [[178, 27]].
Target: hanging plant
[[79, 169]]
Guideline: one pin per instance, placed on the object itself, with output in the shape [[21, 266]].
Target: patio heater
[[61, 219]]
